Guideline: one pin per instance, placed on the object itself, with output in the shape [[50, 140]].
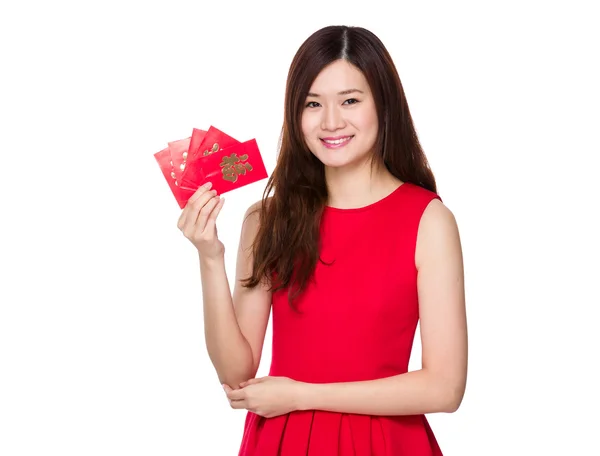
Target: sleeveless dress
[[358, 321]]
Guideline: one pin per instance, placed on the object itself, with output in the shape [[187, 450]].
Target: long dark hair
[[286, 247]]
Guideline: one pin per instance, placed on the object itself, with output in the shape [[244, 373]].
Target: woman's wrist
[[302, 395], [211, 262]]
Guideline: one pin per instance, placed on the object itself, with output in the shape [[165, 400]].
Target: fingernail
[[208, 185]]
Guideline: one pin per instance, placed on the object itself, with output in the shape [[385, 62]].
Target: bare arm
[[234, 325]]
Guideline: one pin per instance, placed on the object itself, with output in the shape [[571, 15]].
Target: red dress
[[358, 322]]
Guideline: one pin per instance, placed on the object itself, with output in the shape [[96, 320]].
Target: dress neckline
[[368, 206]]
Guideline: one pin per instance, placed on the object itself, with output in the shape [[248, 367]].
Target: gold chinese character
[[232, 167]]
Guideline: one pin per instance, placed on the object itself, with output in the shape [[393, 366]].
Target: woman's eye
[[314, 104]]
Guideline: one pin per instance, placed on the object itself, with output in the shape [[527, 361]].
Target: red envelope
[[179, 153], [232, 167], [212, 156], [211, 141], [182, 195], [195, 141]]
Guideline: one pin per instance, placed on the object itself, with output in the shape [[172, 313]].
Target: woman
[[351, 251]]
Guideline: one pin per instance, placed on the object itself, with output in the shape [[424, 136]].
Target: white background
[[101, 332]]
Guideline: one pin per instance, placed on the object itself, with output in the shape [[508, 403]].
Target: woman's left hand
[[266, 396]]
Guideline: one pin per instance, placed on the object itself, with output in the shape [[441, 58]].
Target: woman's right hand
[[198, 221]]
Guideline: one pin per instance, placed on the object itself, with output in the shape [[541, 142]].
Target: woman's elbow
[[453, 398]]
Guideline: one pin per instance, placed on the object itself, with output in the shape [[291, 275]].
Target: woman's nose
[[333, 119]]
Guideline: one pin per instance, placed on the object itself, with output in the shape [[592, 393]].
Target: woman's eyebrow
[[343, 92]]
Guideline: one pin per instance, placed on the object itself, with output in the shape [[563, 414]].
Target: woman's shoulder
[[252, 216], [255, 208], [429, 205]]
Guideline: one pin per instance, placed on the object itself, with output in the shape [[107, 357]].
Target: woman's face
[[339, 120]]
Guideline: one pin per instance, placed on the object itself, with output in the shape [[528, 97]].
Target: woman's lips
[[336, 143]]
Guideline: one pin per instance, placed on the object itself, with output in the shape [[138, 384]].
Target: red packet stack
[[209, 156]]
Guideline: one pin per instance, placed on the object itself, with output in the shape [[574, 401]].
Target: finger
[[192, 209], [200, 223], [228, 390], [212, 218], [238, 405], [236, 395], [198, 193], [189, 206], [182, 218]]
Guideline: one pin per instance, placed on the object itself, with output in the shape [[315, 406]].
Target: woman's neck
[[349, 190]]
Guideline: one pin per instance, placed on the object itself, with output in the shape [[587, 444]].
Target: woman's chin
[[332, 160], [337, 162]]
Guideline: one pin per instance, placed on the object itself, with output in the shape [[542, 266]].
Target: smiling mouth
[[336, 142]]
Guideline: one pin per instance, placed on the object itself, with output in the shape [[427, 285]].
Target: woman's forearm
[[412, 393], [227, 347]]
